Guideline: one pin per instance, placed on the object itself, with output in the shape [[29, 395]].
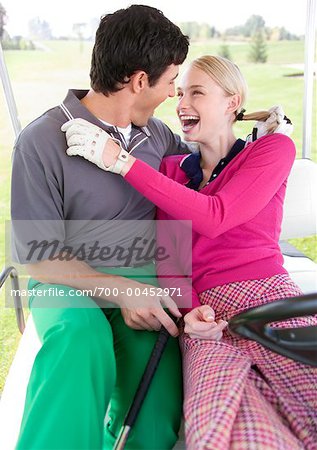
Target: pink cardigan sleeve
[[248, 191]]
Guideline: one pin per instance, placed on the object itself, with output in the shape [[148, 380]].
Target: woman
[[237, 393]]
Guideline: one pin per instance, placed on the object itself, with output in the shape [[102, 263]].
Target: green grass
[[40, 80], [282, 52]]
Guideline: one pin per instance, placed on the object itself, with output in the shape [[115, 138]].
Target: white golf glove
[[261, 128], [88, 140]]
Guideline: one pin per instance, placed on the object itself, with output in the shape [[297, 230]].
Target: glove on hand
[[261, 128], [88, 140]]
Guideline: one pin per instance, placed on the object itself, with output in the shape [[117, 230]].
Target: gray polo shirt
[[50, 190]]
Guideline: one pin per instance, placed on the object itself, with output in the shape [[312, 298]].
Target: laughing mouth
[[189, 122]]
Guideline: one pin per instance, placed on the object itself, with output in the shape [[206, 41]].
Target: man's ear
[[234, 103], [139, 81]]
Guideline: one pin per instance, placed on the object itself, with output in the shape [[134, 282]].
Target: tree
[[78, 29], [235, 31], [39, 29], [191, 29], [258, 51], [224, 49], [15, 43], [204, 31], [197, 30], [253, 25], [3, 18], [213, 32]]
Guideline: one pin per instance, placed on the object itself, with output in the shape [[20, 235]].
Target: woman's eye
[[197, 92]]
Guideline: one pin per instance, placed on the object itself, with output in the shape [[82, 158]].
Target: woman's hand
[[94, 144], [277, 122], [200, 324]]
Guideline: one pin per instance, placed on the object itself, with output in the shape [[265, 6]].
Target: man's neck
[[113, 109]]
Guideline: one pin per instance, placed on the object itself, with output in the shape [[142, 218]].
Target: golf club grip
[[147, 376]]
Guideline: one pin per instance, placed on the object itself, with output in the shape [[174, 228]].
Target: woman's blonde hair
[[228, 76]]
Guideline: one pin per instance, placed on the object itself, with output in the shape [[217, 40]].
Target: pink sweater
[[236, 219]]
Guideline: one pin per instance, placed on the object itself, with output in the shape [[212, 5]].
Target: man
[[92, 357]]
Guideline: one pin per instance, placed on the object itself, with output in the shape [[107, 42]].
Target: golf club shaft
[[143, 388], [122, 438]]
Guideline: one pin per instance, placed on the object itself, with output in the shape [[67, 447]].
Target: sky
[[62, 14]]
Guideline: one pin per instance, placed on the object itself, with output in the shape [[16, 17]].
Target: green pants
[[89, 361]]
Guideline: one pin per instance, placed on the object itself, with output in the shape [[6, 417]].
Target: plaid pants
[[238, 394]]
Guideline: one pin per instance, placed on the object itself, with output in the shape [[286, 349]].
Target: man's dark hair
[[137, 38]]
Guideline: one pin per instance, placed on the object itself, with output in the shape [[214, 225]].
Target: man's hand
[[146, 312], [141, 304], [92, 143], [200, 324]]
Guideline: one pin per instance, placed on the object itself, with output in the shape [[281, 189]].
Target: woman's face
[[203, 107]]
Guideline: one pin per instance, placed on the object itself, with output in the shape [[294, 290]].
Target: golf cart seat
[[299, 221]]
